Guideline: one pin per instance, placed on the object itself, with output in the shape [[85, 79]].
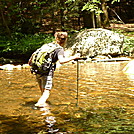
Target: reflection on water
[[105, 101]]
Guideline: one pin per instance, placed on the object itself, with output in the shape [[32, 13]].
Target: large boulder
[[93, 42]]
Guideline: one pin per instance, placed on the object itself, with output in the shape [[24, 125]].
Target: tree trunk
[[98, 21], [62, 14], [93, 19], [4, 20], [53, 22], [87, 19], [105, 18]]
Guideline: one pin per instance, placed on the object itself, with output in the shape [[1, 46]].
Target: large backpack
[[41, 59]]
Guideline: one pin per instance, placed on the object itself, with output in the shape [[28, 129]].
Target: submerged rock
[[93, 42], [129, 68], [129, 71]]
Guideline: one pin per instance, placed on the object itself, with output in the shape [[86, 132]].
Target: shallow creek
[[104, 105]]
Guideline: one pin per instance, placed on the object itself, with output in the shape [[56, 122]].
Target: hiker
[[45, 80]]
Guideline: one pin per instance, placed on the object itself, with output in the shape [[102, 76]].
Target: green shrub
[[128, 45], [20, 46]]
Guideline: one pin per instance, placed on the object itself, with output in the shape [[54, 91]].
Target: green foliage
[[113, 1], [29, 17], [22, 20], [129, 45], [23, 44], [92, 6], [23, 16]]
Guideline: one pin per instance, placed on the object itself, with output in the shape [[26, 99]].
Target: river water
[[103, 102]]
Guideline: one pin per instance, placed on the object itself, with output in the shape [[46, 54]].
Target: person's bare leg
[[42, 100], [40, 86], [41, 89]]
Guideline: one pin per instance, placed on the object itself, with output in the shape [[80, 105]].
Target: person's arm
[[63, 59]]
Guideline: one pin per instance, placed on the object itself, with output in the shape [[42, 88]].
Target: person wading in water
[[45, 80]]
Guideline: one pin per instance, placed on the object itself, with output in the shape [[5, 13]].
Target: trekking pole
[[78, 79], [77, 82]]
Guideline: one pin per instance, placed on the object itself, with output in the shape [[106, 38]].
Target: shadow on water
[[105, 101]]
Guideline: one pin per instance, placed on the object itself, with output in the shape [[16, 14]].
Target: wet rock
[[25, 66], [9, 61], [12, 67], [93, 42]]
